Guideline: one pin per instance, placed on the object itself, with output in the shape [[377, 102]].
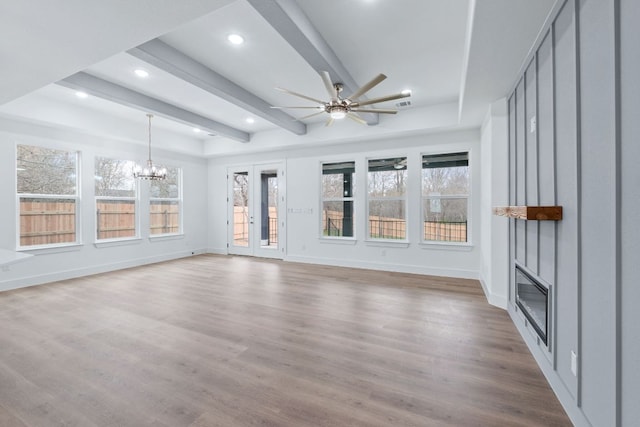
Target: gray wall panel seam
[[578, 200], [554, 147], [618, 211]]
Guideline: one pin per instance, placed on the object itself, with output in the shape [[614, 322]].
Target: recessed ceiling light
[[250, 120], [196, 130], [81, 94], [141, 73], [406, 92], [235, 39]]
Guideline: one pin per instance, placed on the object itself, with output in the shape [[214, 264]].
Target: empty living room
[[304, 213]]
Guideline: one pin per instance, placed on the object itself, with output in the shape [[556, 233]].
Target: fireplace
[[533, 300]]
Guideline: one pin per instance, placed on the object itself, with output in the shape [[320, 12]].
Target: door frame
[[254, 246]]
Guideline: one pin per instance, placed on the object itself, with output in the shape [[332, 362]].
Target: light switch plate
[[574, 363], [532, 127]]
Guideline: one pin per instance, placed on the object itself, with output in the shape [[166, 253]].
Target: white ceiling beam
[[288, 19], [119, 94], [172, 61]]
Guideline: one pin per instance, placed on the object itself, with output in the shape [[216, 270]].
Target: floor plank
[[234, 341]]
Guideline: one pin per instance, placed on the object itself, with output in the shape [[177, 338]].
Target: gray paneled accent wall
[[574, 141], [629, 200]]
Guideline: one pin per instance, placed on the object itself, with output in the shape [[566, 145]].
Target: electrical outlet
[[574, 363]]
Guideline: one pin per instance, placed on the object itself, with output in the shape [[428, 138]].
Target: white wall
[[55, 264], [303, 206], [494, 235]]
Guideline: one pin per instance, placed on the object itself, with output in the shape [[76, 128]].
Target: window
[[47, 191], [165, 198], [241, 209], [387, 182], [116, 199], [445, 197], [338, 188]]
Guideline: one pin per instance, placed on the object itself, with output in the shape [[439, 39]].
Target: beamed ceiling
[[456, 57]]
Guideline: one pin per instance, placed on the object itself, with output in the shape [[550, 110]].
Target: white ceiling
[[445, 51]]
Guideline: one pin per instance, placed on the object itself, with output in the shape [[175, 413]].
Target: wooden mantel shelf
[[537, 213]]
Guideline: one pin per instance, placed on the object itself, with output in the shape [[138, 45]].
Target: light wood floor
[[233, 341]]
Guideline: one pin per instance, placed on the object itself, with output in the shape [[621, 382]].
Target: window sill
[[163, 237], [338, 240], [51, 249], [448, 246], [388, 243], [117, 242]]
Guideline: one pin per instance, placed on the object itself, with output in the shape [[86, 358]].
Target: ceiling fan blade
[[314, 108], [381, 99], [367, 87], [331, 90], [356, 118], [329, 122], [374, 110], [290, 92], [309, 116]]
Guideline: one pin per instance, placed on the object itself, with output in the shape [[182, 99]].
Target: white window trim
[[178, 199], [166, 236], [339, 240], [374, 241], [440, 244], [352, 199], [124, 241], [52, 247]]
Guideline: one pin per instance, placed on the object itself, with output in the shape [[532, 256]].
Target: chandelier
[[150, 171]]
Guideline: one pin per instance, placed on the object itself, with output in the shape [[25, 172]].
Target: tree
[[440, 185], [114, 178], [168, 187], [46, 171]]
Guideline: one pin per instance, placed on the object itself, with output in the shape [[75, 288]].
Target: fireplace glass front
[[533, 299]]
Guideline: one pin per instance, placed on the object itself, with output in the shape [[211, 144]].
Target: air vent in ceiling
[[403, 104]]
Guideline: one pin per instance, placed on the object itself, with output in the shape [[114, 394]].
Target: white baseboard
[[40, 279], [400, 268], [217, 251], [496, 300], [578, 418]]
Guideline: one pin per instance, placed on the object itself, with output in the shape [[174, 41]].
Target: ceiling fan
[[339, 108]]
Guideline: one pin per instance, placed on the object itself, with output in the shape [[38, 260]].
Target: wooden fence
[[44, 222], [393, 228], [241, 226], [164, 217]]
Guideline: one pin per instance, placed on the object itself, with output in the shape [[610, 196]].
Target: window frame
[[351, 199], [404, 199], [178, 199], [468, 196], [135, 199], [77, 199]]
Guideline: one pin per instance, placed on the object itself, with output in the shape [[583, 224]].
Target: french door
[[255, 218]]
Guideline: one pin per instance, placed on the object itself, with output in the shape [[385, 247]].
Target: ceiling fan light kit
[[338, 108]]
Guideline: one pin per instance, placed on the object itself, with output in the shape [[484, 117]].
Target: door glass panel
[[241, 209], [269, 209]]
